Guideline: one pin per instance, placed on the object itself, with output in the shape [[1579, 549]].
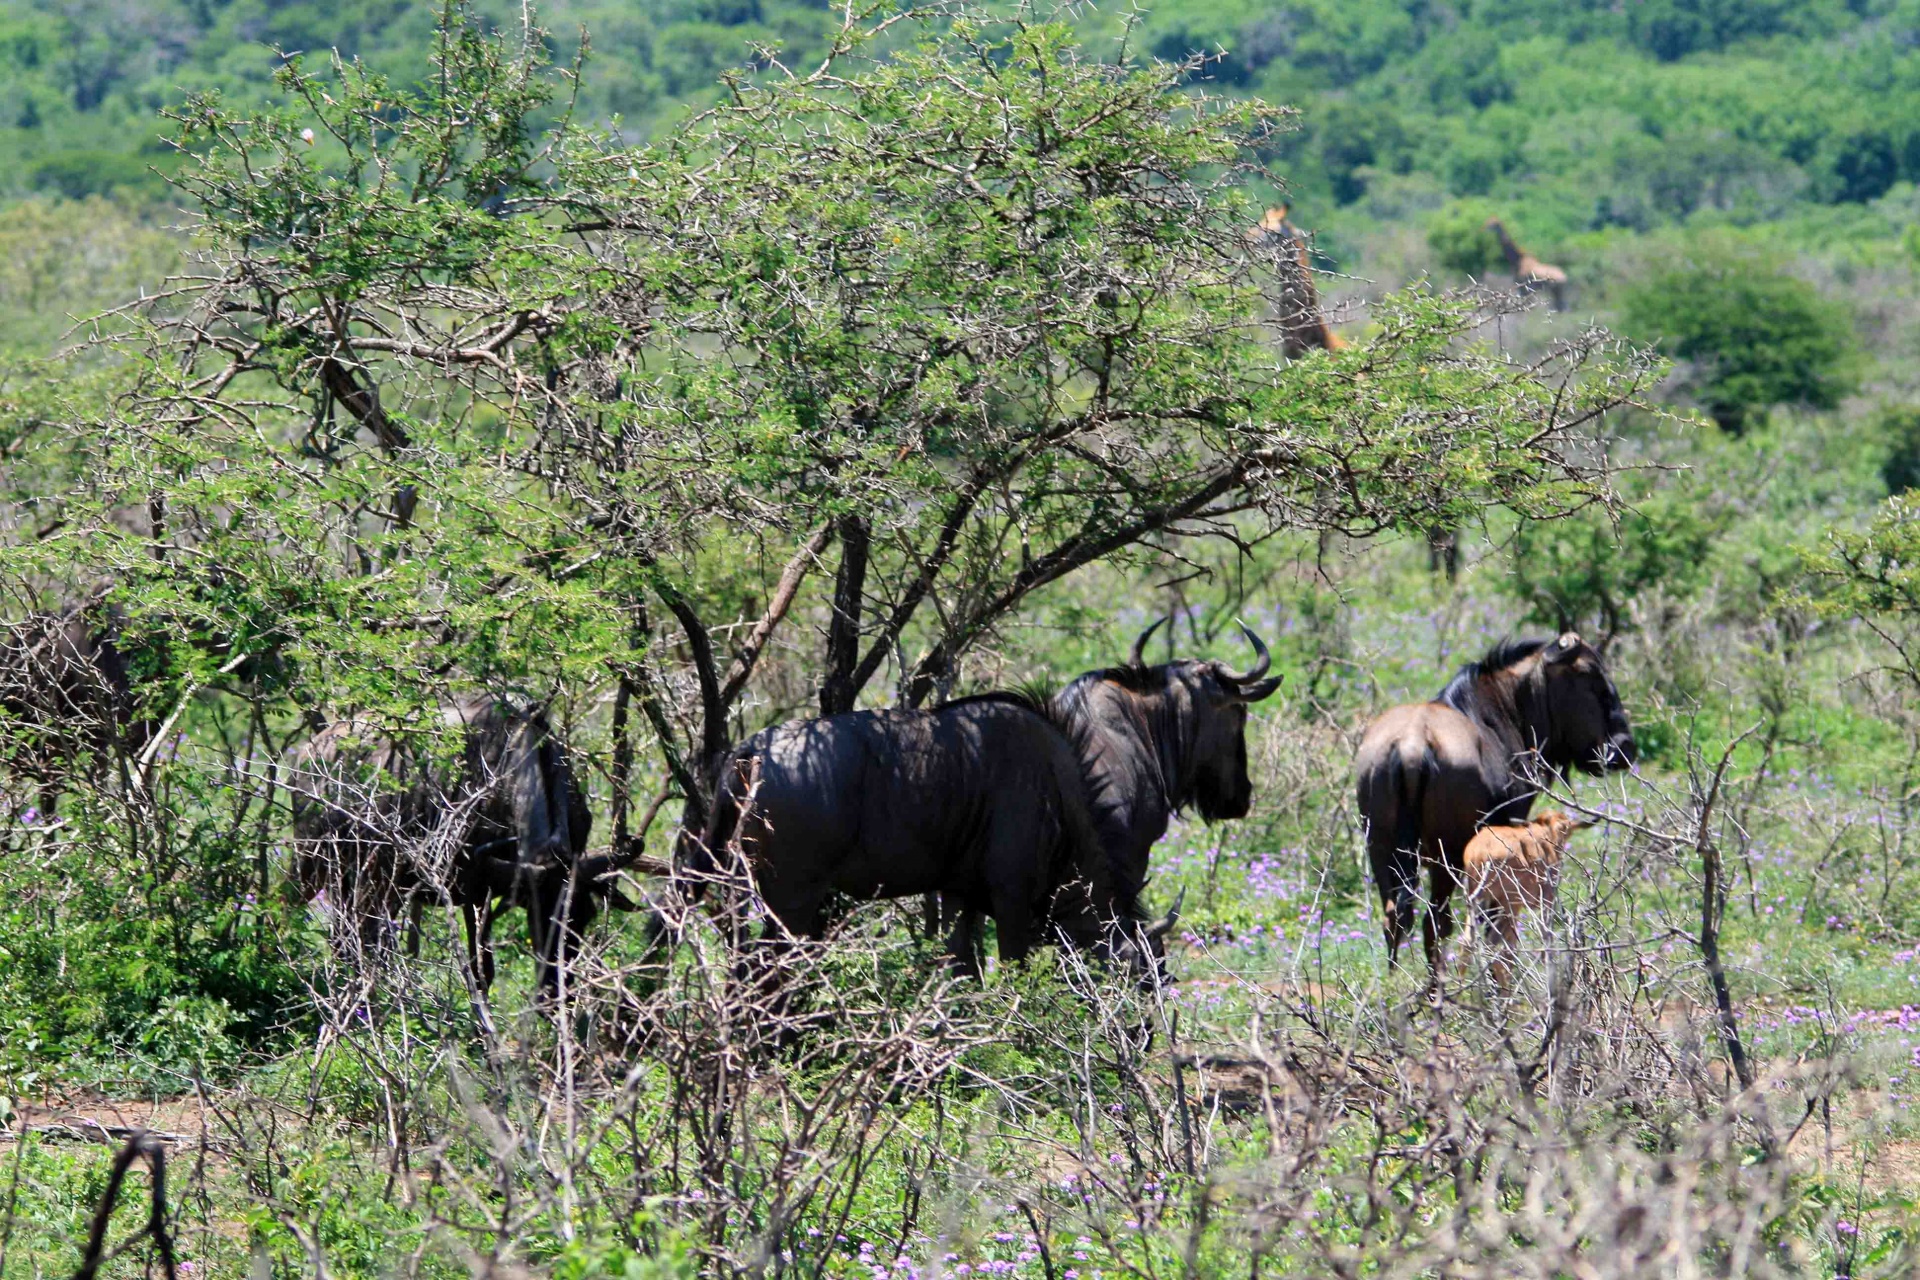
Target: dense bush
[[1586, 574], [1462, 242], [1754, 334], [1898, 427]]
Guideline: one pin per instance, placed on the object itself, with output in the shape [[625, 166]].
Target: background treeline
[[1584, 117]]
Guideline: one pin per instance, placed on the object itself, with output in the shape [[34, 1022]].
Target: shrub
[[1898, 428], [1755, 334], [78, 174], [1352, 139], [1861, 166], [1582, 573], [1460, 240]]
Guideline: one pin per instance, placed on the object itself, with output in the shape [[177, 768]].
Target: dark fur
[[380, 830], [1429, 775], [66, 694], [981, 801], [1155, 741]]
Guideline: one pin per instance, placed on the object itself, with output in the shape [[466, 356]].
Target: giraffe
[[1303, 327], [1529, 273]]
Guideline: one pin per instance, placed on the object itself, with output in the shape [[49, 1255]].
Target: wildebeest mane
[[1463, 692], [1070, 711]]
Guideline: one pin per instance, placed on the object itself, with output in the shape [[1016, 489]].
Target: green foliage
[[602, 1260], [1873, 572], [1898, 430], [1754, 334], [60, 263], [1461, 241], [1585, 573], [79, 174], [1672, 29]]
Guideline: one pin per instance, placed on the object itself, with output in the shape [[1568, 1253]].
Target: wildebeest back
[[982, 799]]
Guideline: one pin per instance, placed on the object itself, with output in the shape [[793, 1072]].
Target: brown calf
[[1508, 870]]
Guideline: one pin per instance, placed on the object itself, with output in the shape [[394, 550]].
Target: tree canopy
[[458, 396]]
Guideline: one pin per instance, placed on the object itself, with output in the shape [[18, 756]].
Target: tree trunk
[[838, 690]]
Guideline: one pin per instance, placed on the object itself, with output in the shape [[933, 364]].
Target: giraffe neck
[[1508, 247]]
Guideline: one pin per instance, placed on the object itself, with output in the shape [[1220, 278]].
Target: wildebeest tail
[[1395, 852]]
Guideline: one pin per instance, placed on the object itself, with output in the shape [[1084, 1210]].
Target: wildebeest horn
[[1261, 661], [1163, 926], [1138, 658], [599, 874], [503, 874]]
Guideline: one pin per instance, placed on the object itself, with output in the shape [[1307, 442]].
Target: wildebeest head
[[67, 687], [1585, 726], [1208, 704], [540, 820]]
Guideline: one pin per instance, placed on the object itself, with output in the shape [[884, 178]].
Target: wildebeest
[[1508, 869], [67, 691], [1429, 775], [982, 800], [379, 829], [996, 803]]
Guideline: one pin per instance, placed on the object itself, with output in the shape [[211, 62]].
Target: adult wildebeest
[[1430, 775], [379, 829], [998, 803], [983, 800], [66, 691]]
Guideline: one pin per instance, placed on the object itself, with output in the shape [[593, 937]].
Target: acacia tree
[[468, 393]]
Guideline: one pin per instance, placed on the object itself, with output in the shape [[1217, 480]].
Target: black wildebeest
[[983, 800], [1154, 741], [379, 829], [1431, 774], [67, 691], [998, 803]]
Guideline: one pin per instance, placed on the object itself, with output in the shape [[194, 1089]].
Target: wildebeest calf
[[1510, 869]]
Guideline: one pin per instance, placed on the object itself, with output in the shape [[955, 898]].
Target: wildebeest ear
[[1565, 647]]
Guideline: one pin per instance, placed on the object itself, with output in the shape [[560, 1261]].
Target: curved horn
[[1163, 926], [1138, 657], [1255, 692], [1261, 662], [599, 875]]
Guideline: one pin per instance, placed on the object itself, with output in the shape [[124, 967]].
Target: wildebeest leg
[[1013, 921], [483, 948], [764, 962], [419, 907], [1437, 925], [1397, 899], [470, 929], [966, 944], [1393, 853]]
